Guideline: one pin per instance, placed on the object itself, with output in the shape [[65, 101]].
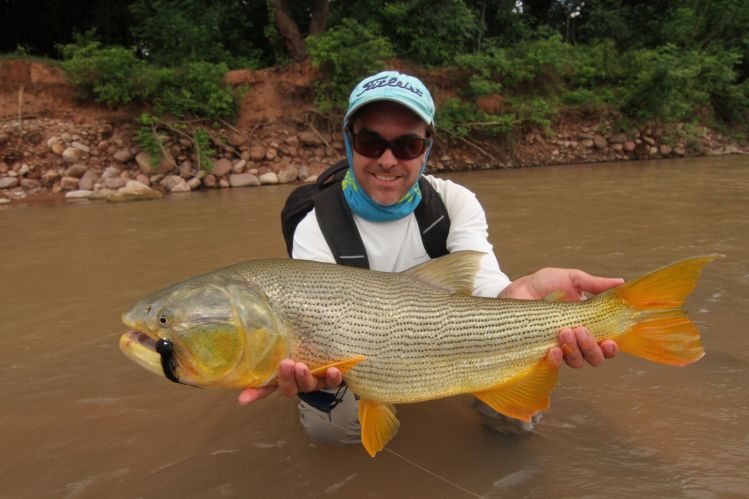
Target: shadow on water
[[79, 420]]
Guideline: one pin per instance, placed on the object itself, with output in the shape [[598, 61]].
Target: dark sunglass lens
[[408, 148], [369, 145]]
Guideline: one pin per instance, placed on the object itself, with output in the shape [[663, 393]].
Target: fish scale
[[420, 342]]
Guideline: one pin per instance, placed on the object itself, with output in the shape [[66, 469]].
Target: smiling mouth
[[386, 178]]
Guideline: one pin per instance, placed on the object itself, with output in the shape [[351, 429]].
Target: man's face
[[387, 179]]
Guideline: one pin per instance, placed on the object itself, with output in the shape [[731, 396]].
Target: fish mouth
[[154, 355], [141, 349]]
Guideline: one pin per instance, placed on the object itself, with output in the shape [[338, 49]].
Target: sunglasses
[[371, 145]]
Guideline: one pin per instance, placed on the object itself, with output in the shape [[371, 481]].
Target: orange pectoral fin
[[378, 425], [525, 394], [342, 365]]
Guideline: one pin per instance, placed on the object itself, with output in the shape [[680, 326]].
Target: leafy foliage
[[661, 60], [197, 89], [153, 132], [672, 84], [345, 55], [145, 137], [429, 32], [110, 75], [459, 118], [115, 76], [174, 32]]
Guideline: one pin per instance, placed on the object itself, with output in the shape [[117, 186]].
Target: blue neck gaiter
[[363, 205]]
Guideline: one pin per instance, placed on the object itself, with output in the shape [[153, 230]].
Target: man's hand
[[293, 377], [576, 346], [572, 282]]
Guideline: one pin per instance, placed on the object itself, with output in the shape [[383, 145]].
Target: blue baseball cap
[[393, 86]]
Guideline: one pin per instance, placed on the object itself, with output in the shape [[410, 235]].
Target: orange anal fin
[[525, 394], [342, 365], [378, 425], [666, 340]]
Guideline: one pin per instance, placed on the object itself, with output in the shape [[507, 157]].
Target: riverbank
[[52, 145]]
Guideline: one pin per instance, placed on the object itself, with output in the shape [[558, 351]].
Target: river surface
[[77, 419]]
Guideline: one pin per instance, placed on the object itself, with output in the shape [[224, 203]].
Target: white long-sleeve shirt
[[396, 246]]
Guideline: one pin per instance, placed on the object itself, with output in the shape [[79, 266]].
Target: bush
[[536, 111], [109, 75], [536, 66], [487, 68], [115, 76], [594, 65], [197, 89], [345, 55], [672, 84], [458, 118], [539, 66], [429, 32]]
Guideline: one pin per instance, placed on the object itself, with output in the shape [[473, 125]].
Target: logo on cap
[[393, 81]]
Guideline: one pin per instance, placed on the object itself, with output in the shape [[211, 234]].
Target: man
[[388, 131]]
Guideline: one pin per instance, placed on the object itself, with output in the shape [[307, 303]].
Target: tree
[[429, 32], [170, 32], [288, 28]]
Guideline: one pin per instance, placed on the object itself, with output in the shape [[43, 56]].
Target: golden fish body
[[420, 342], [398, 338]]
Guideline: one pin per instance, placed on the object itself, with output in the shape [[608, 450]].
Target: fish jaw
[[141, 349], [139, 343]]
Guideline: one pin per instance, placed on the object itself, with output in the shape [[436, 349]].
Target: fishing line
[[425, 470], [433, 473]]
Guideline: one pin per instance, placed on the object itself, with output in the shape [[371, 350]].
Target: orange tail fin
[[662, 332]]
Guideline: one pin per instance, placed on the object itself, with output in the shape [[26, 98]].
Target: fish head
[[213, 330]]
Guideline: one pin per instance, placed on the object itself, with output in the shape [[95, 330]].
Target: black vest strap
[[434, 224], [337, 224]]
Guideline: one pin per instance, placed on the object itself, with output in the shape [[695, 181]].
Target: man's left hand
[[576, 346]]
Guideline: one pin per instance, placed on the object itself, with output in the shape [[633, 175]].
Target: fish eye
[[165, 318]]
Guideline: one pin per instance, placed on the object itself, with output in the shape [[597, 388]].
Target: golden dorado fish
[[397, 337]]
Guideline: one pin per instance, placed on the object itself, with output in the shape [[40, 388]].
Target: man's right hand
[[293, 377]]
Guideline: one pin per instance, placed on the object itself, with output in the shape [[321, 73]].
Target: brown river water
[[77, 419]]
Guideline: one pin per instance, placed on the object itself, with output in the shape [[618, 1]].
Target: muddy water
[[79, 420]]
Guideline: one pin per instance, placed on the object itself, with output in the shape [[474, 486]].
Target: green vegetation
[[110, 75], [174, 32], [638, 61], [114, 76], [345, 54], [154, 133]]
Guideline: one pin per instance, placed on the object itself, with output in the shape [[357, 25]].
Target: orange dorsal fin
[[342, 365], [662, 333], [525, 394], [454, 272], [378, 425]]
